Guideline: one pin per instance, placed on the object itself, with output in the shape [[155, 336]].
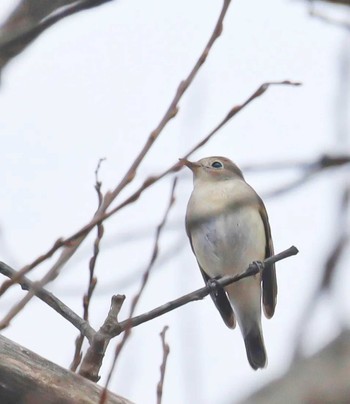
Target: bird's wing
[[269, 281], [219, 296]]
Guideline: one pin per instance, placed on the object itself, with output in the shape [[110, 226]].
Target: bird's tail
[[254, 345]]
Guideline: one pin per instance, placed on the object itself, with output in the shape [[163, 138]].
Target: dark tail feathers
[[255, 348]]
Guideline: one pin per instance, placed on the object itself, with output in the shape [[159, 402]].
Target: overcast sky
[[94, 86]]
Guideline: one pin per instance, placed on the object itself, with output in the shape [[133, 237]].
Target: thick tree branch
[[28, 378]]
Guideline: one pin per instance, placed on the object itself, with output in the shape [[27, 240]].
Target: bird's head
[[214, 168]]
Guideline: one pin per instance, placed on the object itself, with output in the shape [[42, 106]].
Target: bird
[[228, 228]]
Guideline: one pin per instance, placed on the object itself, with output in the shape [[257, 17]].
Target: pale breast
[[227, 231]]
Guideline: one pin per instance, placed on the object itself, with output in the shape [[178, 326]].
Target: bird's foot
[[256, 267], [214, 286]]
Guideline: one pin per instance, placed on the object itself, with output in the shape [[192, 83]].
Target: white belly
[[226, 244]]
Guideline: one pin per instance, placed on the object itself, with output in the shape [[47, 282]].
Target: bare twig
[[74, 242], [92, 279], [310, 170], [202, 292], [330, 267], [50, 299], [166, 351], [173, 168], [77, 353], [154, 256], [89, 332], [22, 27], [198, 294], [344, 24], [344, 2], [315, 165], [176, 166], [145, 278], [93, 359], [57, 245]]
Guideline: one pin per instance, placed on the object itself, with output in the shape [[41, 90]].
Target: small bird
[[228, 228]]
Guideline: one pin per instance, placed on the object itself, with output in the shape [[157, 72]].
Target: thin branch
[[14, 40], [173, 107], [50, 299], [166, 351], [330, 267], [145, 278], [178, 165], [153, 179], [89, 332], [168, 252], [319, 163], [57, 245], [150, 266], [92, 361], [344, 24], [92, 279], [77, 353], [310, 170], [199, 294], [73, 243]]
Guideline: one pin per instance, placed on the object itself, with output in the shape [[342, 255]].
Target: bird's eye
[[216, 164]]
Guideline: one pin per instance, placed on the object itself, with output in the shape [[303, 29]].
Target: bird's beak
[[190, 164]]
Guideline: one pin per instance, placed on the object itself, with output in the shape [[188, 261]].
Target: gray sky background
[[94, 86]]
